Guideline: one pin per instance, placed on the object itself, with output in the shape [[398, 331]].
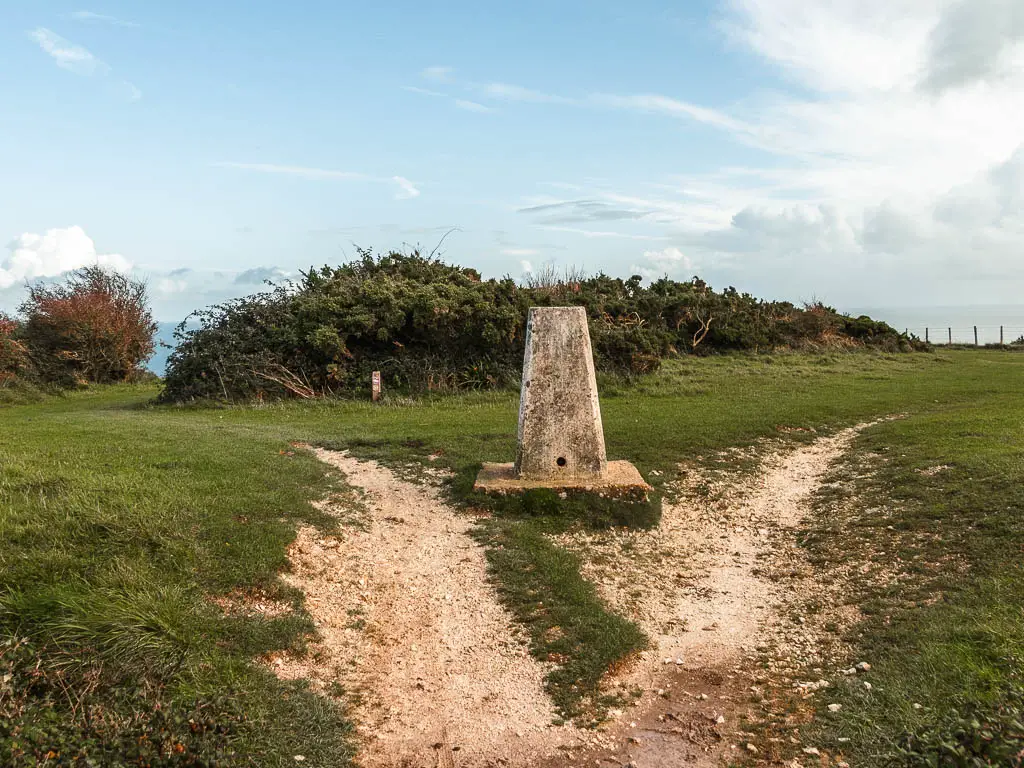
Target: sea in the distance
[[164, 346], [937, 320], [961, 320]]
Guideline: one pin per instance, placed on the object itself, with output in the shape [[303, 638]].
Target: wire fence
[[977, 335]]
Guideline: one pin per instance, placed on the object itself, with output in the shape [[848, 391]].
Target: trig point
[[561, 440]]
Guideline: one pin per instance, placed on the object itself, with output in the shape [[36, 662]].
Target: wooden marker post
[[1000, 335], [950, 336], [926, 334], [975, 335], [375, 386]]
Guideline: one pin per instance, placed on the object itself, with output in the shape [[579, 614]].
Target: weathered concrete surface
[[620, 478], [560, 432]]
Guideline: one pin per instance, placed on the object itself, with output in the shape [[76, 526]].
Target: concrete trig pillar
[[560, 432], [561, 438]]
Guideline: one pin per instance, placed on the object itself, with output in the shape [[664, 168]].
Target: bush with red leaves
[[14, 359], [95, 328]]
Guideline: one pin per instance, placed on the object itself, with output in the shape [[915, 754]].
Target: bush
[[14, 359], [427, 325], [95, 328]]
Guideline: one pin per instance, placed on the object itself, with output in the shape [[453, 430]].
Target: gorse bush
[[94, 328], [427, 325]]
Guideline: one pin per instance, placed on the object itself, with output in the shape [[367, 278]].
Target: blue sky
[[863, 152]]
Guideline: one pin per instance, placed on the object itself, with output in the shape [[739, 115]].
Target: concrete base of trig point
[[619, 479], [561, 439]]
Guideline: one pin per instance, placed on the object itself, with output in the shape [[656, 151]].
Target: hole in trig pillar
[[560, 461]]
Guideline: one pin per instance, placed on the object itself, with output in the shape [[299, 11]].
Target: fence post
[[950, 336], [975, 335], [375, 386], [1000, 335], [926, 334]]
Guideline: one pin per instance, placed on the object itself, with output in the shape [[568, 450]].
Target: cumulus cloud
[[900, 153], [52, 254], [668, 261], [975, 40]]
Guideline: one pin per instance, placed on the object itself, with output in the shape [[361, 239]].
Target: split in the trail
[[436, 669]]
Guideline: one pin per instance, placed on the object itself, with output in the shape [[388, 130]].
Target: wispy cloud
[[519, 252], [67, 55], [466, 104], [99, 18], [471, 106], [81, 61], [602, 233], [655, 103], [508, 92], [294, 170], [406, 189], [423, 91], [437, 73]]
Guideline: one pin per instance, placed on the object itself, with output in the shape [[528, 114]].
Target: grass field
[[119, 520]]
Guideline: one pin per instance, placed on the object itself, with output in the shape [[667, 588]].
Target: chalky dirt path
[[717, 586], [441, 675], [409, 623]]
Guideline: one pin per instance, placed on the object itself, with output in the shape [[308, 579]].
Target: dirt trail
[[443, 677], [442, 674], [700, 585]]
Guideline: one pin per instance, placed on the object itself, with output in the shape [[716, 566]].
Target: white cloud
[[669, 261], [466, 104], [67, 55], [99, 18], [518, 93], [168, 286], [519, 252], [471, 106], [293, 170], [975, 40], [423, 91], [526, 266], [651, 102], [407, 189], [51, 254], [602, 233], [439, 74]]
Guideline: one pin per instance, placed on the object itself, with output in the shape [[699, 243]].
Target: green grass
[[946, 611], [120, 519]]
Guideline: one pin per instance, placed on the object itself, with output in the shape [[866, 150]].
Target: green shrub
[[427, 325]]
